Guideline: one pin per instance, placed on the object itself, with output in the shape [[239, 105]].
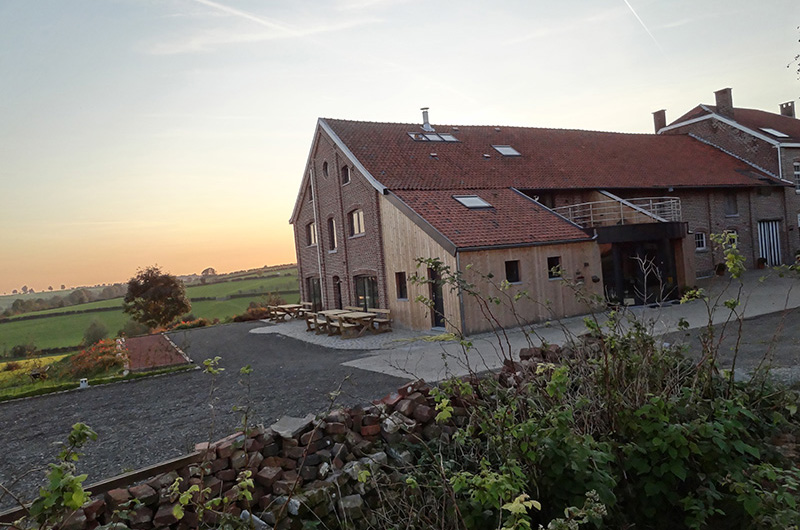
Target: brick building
[[527, 206], [767, 219]]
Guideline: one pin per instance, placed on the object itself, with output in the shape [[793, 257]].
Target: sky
[[176, 132]]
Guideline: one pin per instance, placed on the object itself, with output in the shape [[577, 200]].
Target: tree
[[63, 287], [24, 289], [155, 298], [96, 332], [49, 287]]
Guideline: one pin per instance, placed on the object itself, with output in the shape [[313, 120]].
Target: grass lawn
[[258, 285], [13, 377]]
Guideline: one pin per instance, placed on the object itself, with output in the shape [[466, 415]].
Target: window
[[332, 233], [506, 150], [401, 285], [732, 236], [797, 177], [310, 194], [554, 267], [432, 137], [512, 271], [366, 291], [311, 234], [775, 133], [314, 293], [356, 222], [345, 175], [700, 242], [731, 204], [325, 169], [472, 201]]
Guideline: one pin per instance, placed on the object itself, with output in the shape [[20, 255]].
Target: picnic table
[[361, 321], [293, 310], [319, 321]]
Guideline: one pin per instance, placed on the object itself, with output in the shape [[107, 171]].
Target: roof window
[[432, 137], [472, 201], [506, 150]]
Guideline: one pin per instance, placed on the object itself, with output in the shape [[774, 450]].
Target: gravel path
[[143, 422]]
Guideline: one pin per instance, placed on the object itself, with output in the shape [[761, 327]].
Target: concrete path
[[420, 354]]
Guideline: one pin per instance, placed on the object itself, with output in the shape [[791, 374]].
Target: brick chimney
[[787, 109], [724, 102], [660, 119]]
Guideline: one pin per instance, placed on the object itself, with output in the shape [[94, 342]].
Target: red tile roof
[[753, 119], [551, 159], [512, 220]]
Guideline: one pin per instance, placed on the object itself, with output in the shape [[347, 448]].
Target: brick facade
[[335, 200]]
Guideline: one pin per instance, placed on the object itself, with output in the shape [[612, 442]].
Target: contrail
[[645, 27], [243, 14]]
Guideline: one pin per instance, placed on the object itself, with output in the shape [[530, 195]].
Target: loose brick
[[424, 413], [117, 497], [268, 475], [371, 430], [164, 515], [144, 493]]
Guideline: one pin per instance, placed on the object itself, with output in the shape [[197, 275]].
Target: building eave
[[424, 225], [350, 156]]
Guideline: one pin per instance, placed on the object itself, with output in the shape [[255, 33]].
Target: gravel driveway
[[143, 422]]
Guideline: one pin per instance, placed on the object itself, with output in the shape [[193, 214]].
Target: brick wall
[[334, 200]]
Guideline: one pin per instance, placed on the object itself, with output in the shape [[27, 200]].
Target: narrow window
[[356, 222], [797, 177], [700, 242], [732, 236], [311, 234], [512, 271], [332, 233], [401, 285], [554, 267], [731, 204], [325, 169], [345, 175], [310, 194]]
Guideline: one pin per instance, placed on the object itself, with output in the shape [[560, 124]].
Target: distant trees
[[155, 298], [96, 332], [24, 289], [207, 273]]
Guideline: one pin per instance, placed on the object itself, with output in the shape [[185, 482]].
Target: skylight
[[775, 133], [507, 150], [472, 201], [432, 137]]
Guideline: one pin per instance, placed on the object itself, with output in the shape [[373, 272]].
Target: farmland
[[66, 330]]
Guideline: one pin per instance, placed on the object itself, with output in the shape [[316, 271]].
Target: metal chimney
[[426, 125]]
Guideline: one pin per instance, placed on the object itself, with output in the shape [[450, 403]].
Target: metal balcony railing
[[619, 211]]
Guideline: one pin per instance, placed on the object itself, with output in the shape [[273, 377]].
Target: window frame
[[704, 237], [311, 234], [551, 275], [345, 175], [356, 221], [731, 200], [332, 235], [796, 173], [401, 285], [325, 169], [513, 273]]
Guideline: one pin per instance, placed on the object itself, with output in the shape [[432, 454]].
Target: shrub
[[96, 332], [252, 313], [100, 358], [133, 329], [12, 366], [194, 323], [23, 350]]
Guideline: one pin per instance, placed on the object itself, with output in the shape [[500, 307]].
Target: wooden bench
[[39, 374], [384, 320], [338, 326], [353, 308], [311, 321], [320, 324]]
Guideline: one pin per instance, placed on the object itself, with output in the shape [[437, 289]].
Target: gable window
[[797, 177], [311, 234], [356, 222], [512, 271], [345, 175], [731, 204], [401, 285], [325, 169], [507, 150], [700, 242], [332, 234], [310, 194], [554, 267]]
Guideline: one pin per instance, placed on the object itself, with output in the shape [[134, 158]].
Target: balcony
[[616, 211]]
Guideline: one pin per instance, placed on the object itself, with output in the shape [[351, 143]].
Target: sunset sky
[[175, 132]]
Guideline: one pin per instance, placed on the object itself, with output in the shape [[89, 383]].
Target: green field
[[67, 330]]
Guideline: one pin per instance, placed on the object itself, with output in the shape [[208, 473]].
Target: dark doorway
[[366, 291], [639, 272], [437, 315], [314, 293], [337, 292]]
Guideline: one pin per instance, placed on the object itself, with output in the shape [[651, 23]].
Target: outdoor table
[[360, 318], [293, 310], [331, 312]]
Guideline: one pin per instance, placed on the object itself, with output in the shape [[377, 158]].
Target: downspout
[[319, 241], [461, 297], [780, 163]]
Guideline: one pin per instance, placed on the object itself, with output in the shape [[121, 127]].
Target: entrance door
[[437, 315], [366, 291], [769, 241], [314, 293]]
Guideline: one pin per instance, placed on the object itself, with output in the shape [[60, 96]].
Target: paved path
[[145, 421]]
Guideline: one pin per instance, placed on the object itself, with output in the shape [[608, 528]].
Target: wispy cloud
[[548, 30], [270, 29]]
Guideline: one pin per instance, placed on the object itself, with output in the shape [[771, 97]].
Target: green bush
[[96, 332]]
